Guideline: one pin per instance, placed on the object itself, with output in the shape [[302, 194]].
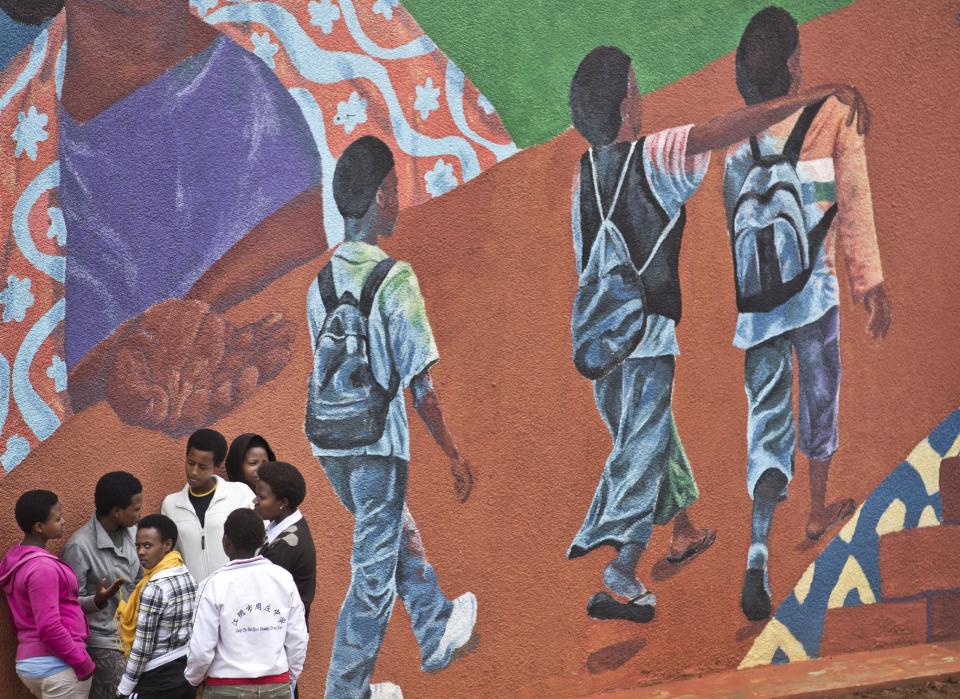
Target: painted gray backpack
[[610, 307], [346, 406], [774, 247]]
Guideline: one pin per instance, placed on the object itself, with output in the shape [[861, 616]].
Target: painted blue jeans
[[388, 559], [647, 478], [768, 379]]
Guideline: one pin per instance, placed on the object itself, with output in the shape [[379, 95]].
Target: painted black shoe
[[604, 606], [755, 598]]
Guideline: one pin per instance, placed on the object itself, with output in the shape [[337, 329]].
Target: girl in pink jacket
[[41, 590]]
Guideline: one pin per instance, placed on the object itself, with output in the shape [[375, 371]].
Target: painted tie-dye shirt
[[832, 168], [409, 347], [353, 68]]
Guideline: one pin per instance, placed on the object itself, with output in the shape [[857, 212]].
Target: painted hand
[[850, 96], [180, 365], [463, 478], [879, 312]]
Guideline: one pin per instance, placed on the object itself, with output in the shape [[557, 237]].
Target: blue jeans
[[388, 559], [771, 429], [647, 478]]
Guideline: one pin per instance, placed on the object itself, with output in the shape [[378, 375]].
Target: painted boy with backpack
[[793, 193], [628, 217], [371, 340]]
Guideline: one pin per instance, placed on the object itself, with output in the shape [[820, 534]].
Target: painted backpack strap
[[373, 284], [328, 290], [616, 195], [818, 233], [795, 141]]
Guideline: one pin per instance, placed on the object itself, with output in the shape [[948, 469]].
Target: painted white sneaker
[[385, 690], [458, 632]]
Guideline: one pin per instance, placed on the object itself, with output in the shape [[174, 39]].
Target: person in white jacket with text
[[249, 629]]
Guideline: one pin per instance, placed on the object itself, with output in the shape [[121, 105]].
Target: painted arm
[[726, 129], [427, 403], [291, 237], [857, 232]]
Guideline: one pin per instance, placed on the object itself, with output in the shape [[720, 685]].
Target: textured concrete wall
[[495, 265]]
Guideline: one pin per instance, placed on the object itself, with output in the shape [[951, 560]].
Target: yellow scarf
[[129, 609]]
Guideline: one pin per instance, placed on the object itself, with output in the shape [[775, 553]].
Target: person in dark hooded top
[[248, 452]]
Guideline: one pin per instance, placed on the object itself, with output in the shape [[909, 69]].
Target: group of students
[[214, 591], [795, 189]]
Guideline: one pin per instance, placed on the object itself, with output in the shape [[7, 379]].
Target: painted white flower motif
[[485, 104], [16, 299], [58, 372], [29, 132], [323, 14], [58, 227], [204, 6], [385, 8], [17, 450], [427, 99], [440, 179], [351, 112], [264, 48]]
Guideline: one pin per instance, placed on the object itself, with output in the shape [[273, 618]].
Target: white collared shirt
[[275, 530]]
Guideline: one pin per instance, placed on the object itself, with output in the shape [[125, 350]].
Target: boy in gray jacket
[[103, 554]]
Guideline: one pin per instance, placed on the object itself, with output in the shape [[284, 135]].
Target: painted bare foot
[[821, 519], [685, 545]]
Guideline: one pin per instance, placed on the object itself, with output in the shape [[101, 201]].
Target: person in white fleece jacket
[[249, 627], [201, 506]]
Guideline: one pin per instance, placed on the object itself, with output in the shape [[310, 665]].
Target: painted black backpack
[[610, 307], [346, 406], [774, 247]]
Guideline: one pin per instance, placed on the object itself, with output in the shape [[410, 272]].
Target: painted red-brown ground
[[495, 263]]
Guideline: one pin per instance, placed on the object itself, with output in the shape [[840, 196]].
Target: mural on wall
[[166, 222], [214, 146]]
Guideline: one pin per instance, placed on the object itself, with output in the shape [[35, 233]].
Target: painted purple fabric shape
[[162, 183]]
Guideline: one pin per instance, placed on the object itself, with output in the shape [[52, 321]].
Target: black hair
[[285, 481], [31, 11], [596, 93], [163, 524], [768, 42], [245, 530], [33, 507], [211, 441], [359, 173], [115, 489], [238, 454]]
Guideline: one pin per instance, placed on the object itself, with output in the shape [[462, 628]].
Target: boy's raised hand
[[850, 96], [105, 592]]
